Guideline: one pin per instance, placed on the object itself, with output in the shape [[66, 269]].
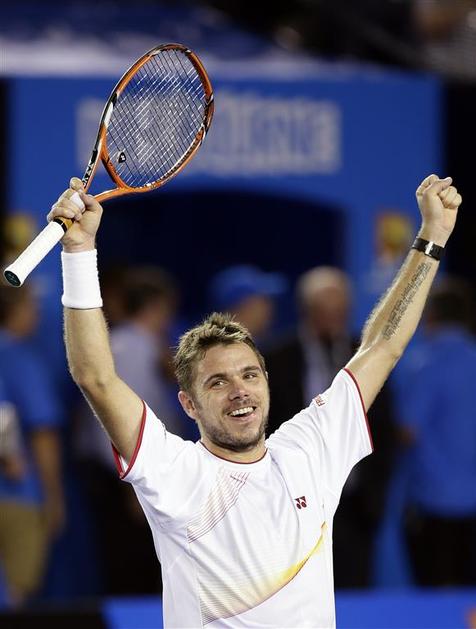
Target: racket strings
[[173, 114], [145, 140], [146, 145], [133, 122], [185, 113], [156, 119], [182, 108], [173, 141]]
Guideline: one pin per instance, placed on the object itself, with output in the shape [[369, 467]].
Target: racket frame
[[100, 152], [19, 269]]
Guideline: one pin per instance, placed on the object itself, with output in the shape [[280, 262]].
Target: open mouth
[[242, 413]]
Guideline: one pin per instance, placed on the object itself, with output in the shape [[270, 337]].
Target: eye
[[250, 375], [216, 384]]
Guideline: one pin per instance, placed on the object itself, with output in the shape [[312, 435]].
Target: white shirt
[[249, 545]]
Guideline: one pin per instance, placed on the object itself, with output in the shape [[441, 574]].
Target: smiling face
[[230, 401]]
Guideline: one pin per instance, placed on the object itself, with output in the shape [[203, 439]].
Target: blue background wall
[[337, 147]]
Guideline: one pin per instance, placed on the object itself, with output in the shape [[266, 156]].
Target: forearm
[[87, 347], [92, 367], [47, 454], [395, 318], [85, 331]]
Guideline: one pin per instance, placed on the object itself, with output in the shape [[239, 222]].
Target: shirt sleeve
[[163, 469], [333, 431]]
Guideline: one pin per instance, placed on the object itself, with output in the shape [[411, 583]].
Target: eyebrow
[[225, 375], [213, 376]]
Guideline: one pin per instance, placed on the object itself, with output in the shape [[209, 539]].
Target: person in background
[[146, 300], [308, 360], [437, 415], [12, 467], [446, 30], [31, 487], [12, 464], [113, 296], [249, 294]]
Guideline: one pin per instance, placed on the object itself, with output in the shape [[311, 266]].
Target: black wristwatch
[[429, 248]]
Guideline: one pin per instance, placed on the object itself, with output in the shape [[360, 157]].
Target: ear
[[187, 404]]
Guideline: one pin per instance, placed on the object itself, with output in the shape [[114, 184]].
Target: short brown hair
[[144, 285], [216, 329]]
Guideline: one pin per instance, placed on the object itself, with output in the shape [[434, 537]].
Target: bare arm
[[392, 324], [87, 341], [46, 450], [395, 318], [91, 364]]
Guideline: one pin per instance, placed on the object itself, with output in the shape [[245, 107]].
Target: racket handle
[[21, 268]]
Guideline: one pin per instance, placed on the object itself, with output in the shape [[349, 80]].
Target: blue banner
[[354, 141]]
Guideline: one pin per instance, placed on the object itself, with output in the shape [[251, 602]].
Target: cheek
[[267, 402], [211, 403], [264, 395]]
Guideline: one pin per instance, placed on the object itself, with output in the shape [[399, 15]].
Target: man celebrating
[[243, 526]]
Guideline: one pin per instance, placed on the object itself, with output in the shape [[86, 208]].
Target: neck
[[249, 456]]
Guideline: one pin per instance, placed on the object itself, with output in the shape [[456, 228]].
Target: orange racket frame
[[17, 272]]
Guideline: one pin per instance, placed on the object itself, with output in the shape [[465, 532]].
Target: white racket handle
[[20, 269]]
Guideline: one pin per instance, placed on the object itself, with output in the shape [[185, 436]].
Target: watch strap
[[429, 248]]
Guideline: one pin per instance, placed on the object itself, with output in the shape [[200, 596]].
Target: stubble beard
[[224, 438]]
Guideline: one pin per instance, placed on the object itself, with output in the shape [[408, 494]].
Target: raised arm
[[86, 337], [395, 318]]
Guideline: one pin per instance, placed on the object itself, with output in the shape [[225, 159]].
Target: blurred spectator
[[12, 467], [447, 32], [248, 293], [31, 491], [12, 464], [140, 344], [369, 29], [306, 361], [438, 418], [304, 364], [112, 291]]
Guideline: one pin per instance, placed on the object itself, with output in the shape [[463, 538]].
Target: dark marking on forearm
[[406, 299]]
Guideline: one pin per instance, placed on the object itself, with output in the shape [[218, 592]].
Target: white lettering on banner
[[87, 123], [252, 134], [257, 135]]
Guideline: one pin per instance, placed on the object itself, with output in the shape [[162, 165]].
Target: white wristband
[[81, 288]]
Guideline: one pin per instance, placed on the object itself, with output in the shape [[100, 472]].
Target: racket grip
[[21, 268]]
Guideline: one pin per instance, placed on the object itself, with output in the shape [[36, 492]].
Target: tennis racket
[[152, 125]]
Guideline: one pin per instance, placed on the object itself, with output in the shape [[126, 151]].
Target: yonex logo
[[301, 502], [319, 401]]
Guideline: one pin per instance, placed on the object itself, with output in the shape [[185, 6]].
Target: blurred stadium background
[[328, 115]]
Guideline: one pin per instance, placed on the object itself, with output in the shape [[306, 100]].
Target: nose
[[238, 390]]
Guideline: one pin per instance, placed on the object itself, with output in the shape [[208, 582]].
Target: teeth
[[241, 411]]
